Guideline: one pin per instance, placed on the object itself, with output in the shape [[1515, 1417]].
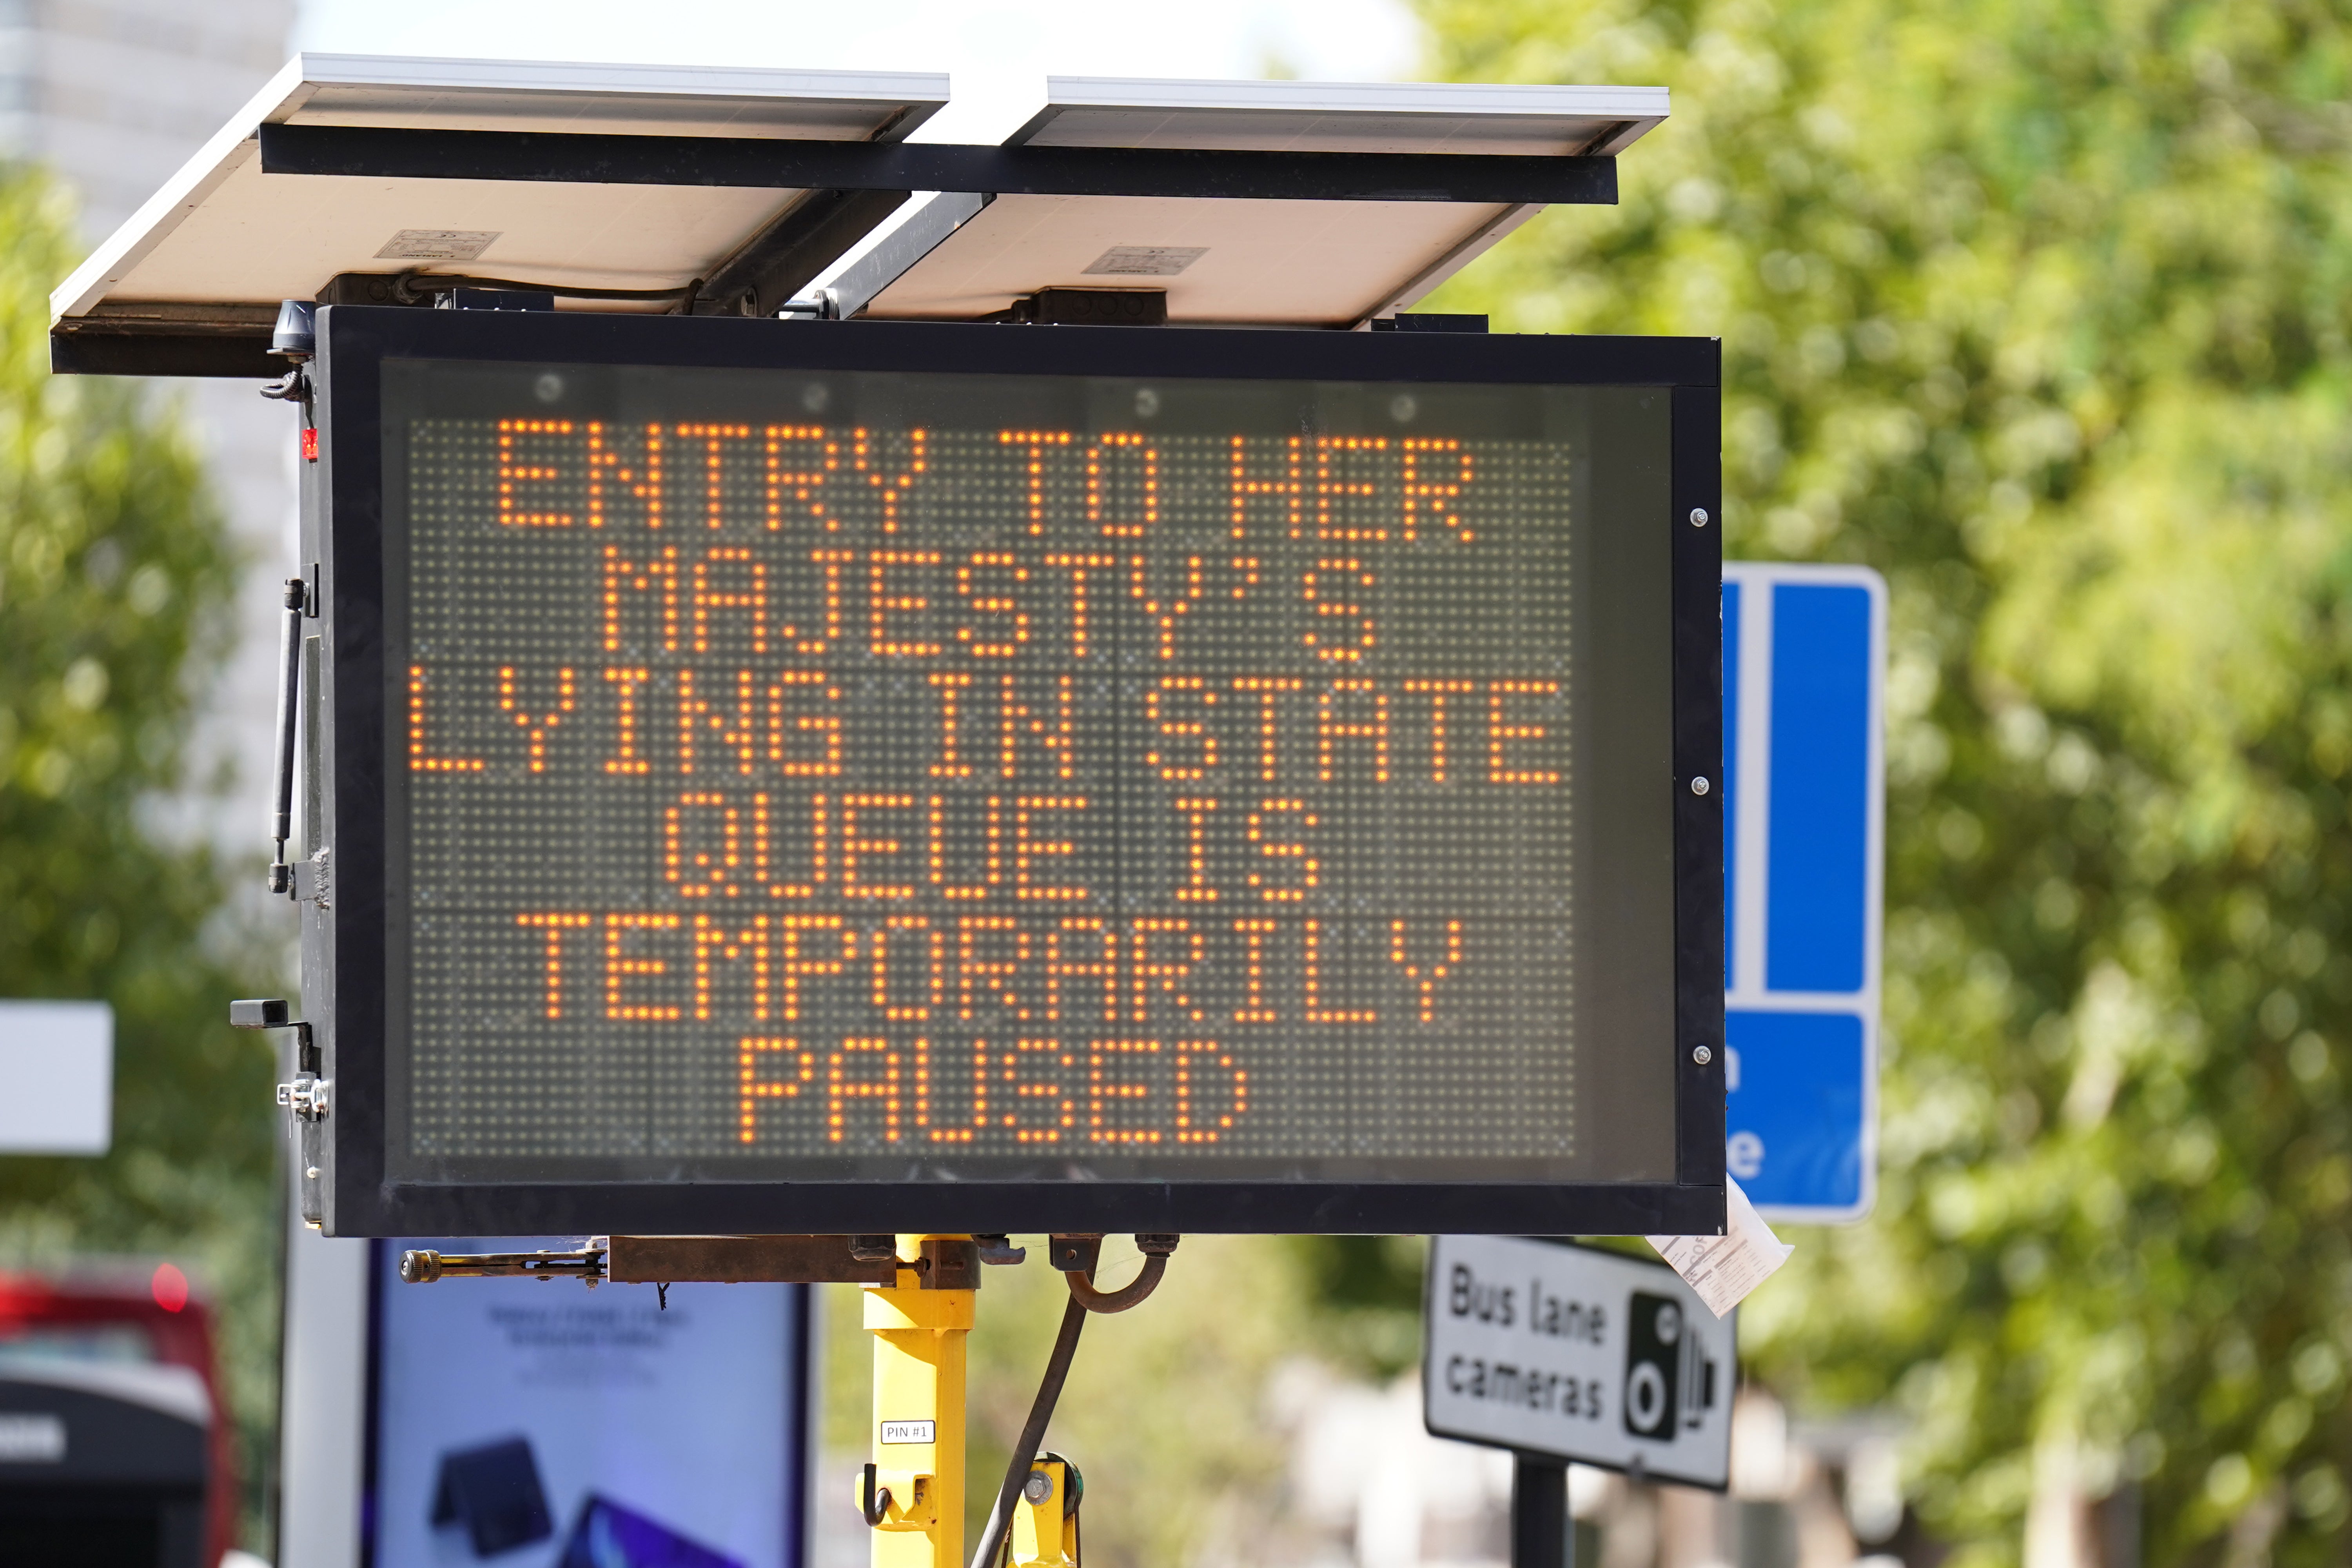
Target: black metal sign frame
[[346, 923]]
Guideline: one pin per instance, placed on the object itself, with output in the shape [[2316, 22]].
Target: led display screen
[[848, 775], [530, 1427]]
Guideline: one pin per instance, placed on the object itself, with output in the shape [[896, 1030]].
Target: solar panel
[[1310, 263], [207, 258], [357, 179]]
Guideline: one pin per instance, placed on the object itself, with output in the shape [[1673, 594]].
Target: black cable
[[1084, 1299], [1033, 1432], [411, 284]]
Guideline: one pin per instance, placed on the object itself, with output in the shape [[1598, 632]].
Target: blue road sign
[[1804, 667]]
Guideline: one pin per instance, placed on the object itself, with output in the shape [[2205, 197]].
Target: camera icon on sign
[[1669, 1377]]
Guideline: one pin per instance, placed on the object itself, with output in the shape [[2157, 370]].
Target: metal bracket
[[764, 273], [371, 152], [308, 1095], [1045, 1532], [1073, 1254], [949, 1264], [312, 883]]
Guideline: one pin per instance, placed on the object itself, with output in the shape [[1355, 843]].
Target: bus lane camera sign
[[1590, 1356]]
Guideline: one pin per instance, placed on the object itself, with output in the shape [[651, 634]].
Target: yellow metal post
[[918, 1387], [1045, 1517]]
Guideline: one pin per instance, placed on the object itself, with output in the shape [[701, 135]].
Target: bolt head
[[1699, 516], [1699, 785], [1702, 1055], [1038, 1487]]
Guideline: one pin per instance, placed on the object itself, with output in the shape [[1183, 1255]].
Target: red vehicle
[[114, 1438]]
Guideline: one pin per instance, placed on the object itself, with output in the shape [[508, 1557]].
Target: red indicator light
[[311, 445], [170, 1288]]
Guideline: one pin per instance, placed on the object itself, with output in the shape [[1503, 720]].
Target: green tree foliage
[[1366, 1292], [2040, 309], [114, 568]]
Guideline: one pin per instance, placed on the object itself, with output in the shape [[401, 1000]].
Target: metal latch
[[306, 1097]]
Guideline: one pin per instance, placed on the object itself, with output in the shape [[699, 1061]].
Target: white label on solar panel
[[437, 244], [1146, 260]]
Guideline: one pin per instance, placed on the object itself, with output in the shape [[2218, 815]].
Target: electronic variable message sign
[[855, 776]]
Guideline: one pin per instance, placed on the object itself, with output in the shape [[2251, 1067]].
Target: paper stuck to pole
[[1724, 1268]]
